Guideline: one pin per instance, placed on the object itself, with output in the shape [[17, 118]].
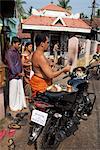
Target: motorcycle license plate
[[39, 117]]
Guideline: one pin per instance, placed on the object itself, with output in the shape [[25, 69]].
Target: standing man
[[16, 92], [43, 73], [55, 51]]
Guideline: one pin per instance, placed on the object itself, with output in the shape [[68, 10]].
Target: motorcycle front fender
[[34, 132]]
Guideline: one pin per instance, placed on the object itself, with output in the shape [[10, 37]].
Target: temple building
[[59, 23]]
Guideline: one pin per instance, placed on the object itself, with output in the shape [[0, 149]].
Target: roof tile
[[53, 7], [47, 21]]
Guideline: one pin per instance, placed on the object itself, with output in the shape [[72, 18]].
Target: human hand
[[30, 63], [67, 68], [21, 74]]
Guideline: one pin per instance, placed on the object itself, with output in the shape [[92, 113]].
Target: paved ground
[[86, 138]]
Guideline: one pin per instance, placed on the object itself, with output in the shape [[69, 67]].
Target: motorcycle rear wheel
[[47, 139]]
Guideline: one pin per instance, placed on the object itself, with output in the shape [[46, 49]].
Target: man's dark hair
[[40, 38], [15, 39]]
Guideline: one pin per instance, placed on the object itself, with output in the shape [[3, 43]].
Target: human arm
[[47, 70], [25, 60]]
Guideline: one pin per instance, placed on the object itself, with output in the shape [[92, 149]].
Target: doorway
[[54, 39]]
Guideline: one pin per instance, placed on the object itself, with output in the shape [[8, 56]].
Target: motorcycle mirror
[[94, 56]]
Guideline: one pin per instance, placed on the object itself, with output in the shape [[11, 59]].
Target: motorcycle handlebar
[[85, 69], [91, 67], [66, 76], [95, 57]]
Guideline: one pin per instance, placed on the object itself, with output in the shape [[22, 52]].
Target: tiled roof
[[47, 21], [53, 7], [94, 23], [39, 20], [75, 23], [97, 21]]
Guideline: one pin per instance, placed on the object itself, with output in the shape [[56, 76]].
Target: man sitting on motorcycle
[[43, 73]]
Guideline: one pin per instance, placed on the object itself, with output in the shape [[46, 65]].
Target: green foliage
[[83, 16], [98, 13], [64, 4], [30, 11], [20, 9]]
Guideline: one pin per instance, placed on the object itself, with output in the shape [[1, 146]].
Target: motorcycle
[[95, 69], [56, 115]]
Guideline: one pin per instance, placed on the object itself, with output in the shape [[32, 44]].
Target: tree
[[20, 12], [64, 4], [30, 11], [98, 13], [83, 16]]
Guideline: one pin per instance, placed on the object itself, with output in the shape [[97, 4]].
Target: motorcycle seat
[[51, 96], [57, 96]]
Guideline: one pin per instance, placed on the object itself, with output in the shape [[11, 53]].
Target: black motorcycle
[[56, 115], [94, 66]]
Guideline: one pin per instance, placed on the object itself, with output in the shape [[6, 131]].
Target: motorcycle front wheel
[[47, 139]]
